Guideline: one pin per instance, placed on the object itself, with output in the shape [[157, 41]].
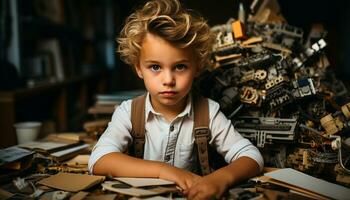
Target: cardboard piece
[[125, 189], [307, 183], [71, 182], [79, 196], [143, 182], [101, 197]]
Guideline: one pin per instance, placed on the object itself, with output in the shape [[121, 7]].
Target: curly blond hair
[[169, 20]]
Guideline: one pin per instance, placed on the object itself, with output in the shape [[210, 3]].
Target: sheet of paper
[[142, 182], [70, 150], [319, 186]]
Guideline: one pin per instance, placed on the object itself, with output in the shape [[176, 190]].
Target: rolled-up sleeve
[[116, 137], [227, 141]]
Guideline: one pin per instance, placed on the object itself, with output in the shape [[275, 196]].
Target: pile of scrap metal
[[279, 90]]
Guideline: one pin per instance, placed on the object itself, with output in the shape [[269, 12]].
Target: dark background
[[334, 15]]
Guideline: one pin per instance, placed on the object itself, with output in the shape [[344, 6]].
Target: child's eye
[[181, 67], [155, 68]]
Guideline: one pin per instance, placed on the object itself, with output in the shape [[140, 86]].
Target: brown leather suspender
[[200, 129], [138, 126]]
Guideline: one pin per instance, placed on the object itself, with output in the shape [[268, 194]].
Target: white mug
[[27, 131]]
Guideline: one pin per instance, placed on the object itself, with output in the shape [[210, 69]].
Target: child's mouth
[[168, 93]]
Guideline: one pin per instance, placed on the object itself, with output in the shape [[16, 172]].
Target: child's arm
[[119, 164], [215, 184]]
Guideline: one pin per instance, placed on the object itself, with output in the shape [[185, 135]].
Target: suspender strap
[[201, 131], [138, 126]]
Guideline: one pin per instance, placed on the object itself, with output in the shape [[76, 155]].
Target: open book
[[306, 184], [58, 146]]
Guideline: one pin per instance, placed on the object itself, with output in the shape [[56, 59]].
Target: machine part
[[342, 176], [310, 129], [307, 55], [277, 47], [303, 87], [227, 59], [223, 38], [249, 95], [288, 30], [346, 110], [238, 30], [251, 75], [264, 130], [336, 145], [301, 160], [329, 124], [324, 157], [279, 101], [257, 60], [274, 82], [260, 75], [252, 40], [248, 76], [228, 49], [230, 97]]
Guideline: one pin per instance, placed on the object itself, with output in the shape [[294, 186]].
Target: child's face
[[167, 71]]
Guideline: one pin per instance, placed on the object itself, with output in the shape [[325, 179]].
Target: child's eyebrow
[[176, 62], [182, 61], [151, 61]]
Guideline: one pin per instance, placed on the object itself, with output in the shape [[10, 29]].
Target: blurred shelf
[[40, 27], [9, 101]]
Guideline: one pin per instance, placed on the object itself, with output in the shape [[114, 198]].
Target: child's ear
[[138, 71]]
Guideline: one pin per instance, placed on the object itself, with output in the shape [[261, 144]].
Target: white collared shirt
[[173, 142]]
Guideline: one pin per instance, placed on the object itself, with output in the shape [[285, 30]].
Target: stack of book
[[104, 108], [106, 103], [59, 147]]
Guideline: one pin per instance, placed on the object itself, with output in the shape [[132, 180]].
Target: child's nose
[[169, 78]]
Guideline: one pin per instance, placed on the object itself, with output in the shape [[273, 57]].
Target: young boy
[[168, 46]]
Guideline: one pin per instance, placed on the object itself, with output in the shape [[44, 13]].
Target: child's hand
[[181, 177], [207, 187]]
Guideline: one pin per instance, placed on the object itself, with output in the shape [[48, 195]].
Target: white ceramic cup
[[27, 131]]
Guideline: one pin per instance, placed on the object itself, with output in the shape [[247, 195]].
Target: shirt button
[[172, 128]]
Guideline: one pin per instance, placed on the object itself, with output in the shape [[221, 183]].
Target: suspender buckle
[[201, 131]]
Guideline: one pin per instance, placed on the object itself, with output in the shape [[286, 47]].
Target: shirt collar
[[150, 110]]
